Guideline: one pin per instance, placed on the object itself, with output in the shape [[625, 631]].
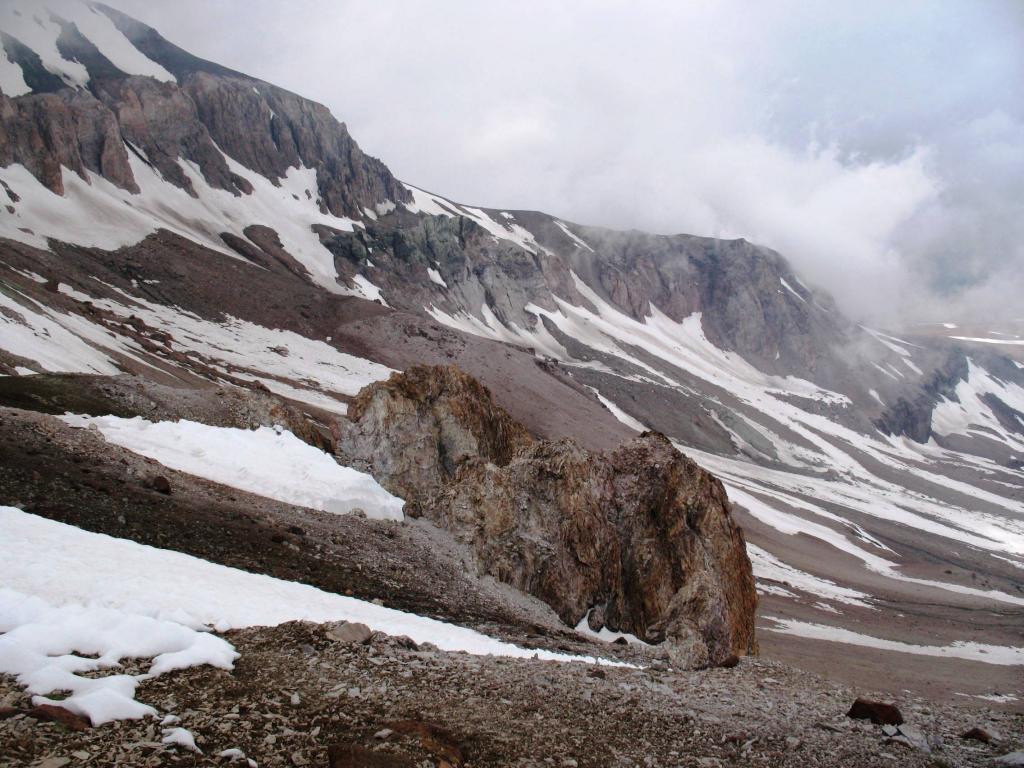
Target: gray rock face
[[72, 129], [641, 532], [266, 128]]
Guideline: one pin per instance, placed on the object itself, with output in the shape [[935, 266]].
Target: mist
[[878, 146]]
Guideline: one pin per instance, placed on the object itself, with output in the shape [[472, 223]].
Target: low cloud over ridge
[[879, 147]]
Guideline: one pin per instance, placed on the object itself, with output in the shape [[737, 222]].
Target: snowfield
[[270, 462], [69, 592]]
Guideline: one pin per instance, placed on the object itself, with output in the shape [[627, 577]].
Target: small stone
[[349, 633], [383, 733], [296, 700], [792, 743], [54, 714], [890, 730], [161, 484]]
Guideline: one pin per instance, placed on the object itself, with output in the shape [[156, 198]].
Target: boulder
[[641, 532], [878, 712], [977, 734], [415, 430], [349, 633], [52, 713], [354, 756]]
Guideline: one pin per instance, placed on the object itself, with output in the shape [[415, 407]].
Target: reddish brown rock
[[54, 714], [977, 734], [438, 741], [641, 533], [71, 129], [416, 429], [355, 756], [878, 712]]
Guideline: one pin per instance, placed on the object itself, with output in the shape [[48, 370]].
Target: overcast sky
[[878, 145]]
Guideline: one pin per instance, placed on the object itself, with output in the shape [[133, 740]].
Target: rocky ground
[[297, 691]]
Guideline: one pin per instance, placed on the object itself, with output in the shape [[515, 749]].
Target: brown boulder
[[977, 734], [51, 713], [640, 533], [436, 740], [416, 429], [355, 756], [877, 712]]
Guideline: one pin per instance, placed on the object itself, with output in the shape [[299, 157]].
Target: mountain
[[227, 245]]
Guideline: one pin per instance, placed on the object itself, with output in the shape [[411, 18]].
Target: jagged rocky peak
[[639, 540], [81, 79]]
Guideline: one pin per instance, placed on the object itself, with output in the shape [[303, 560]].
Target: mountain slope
[[169, 217]]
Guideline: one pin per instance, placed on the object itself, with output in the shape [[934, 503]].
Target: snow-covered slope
[[72, 594]]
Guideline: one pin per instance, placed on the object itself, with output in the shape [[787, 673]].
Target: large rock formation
[[639, 539], [415, 430]]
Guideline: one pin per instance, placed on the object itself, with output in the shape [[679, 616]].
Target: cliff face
[[639, 539], [207, 111]]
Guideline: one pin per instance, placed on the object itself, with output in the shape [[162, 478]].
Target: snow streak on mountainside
[[168, 217]]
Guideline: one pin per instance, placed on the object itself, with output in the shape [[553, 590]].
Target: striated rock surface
[[640, 536]]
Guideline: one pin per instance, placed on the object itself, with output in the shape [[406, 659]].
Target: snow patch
[[987, 654], [66, 565], [42, 642], [265, 461], [791, 289], [606, 635], [435, 277], [770, 568]]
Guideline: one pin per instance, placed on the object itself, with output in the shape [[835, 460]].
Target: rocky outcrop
[[913, 416], [70, 129], [415, 430], [209, 111], [639, 539]]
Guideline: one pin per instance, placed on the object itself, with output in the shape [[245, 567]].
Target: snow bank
[[271, 462], [65, 565]]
